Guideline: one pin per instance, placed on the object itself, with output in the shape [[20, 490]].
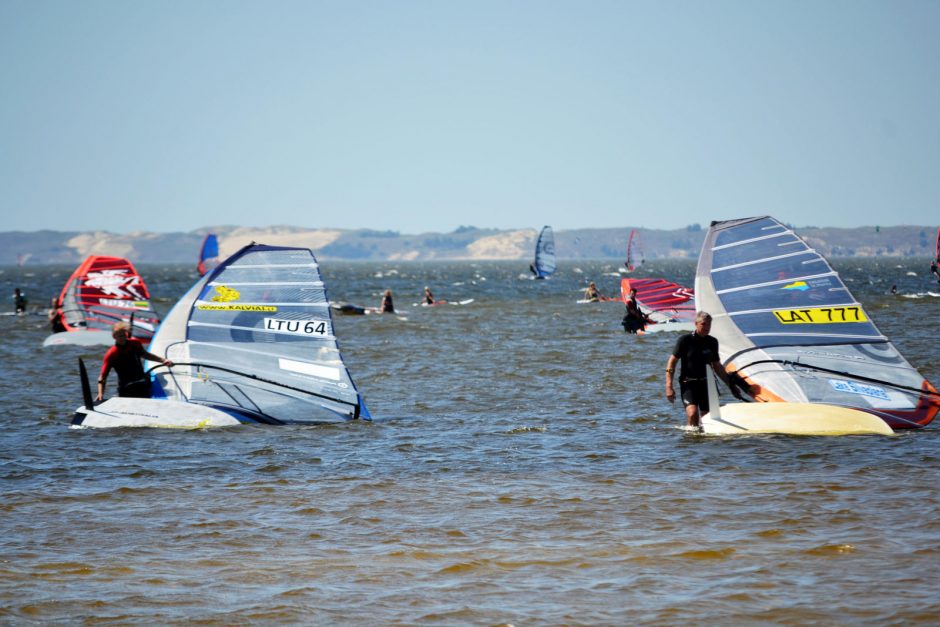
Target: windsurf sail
[[544, 265], [662, 300], [208, 254], [937, 253], [634, 251], [255, 338], [105, 290], [786, 322]]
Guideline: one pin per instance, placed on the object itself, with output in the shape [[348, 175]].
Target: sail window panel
[[816, 292], [260, 257], [742, 232], [756, 251], [269, 274], [286, 406], [779, 269], [267, 368], [234, 293]]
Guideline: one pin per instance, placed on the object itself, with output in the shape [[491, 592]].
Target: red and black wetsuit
[[125, 361]]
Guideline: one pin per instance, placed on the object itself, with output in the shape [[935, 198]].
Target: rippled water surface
[[524, 467]]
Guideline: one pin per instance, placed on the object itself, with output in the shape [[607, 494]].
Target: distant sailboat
[[101, 292], [670, 305], [251, 342], [544, 265], [208, 254], [788, 325], [634, 252]]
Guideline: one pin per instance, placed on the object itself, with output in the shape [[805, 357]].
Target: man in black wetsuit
[[634, 320], [696, 351]]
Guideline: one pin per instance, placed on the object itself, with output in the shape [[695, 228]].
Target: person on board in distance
[[387, 305], [124, 358], [55, 318], [634, 320], [428, 296], [592, 294], [697, 351], [19, 301]]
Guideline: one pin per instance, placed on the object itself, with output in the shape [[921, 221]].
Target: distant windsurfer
[[695, 352], [935, 270], [634, 320], [428, 296], [55, 317], [533, 270], [124, 358], [591, 294], [387, 305], [19, 301]]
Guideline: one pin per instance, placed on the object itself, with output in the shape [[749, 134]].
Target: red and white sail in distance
[[662, 300], [103, 291], [634, 251]]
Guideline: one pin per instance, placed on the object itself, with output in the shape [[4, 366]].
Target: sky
[[424, 116]]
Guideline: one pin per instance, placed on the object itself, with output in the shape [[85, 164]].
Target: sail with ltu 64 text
[[788, 325], [251, 342]]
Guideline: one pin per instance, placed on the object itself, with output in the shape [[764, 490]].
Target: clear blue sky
[[425, 116]]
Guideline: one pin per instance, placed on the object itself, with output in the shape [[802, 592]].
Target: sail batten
[[816, 341]]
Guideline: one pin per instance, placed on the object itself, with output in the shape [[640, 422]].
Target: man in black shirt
[[696, 352]]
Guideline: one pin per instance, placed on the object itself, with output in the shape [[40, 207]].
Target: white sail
[[788, 324], [254, 339]]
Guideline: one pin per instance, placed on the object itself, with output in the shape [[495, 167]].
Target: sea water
[[523, 467]]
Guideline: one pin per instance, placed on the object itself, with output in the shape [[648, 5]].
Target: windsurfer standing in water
[[428, 296], [935, 270], [124, 358], [634, 320], [387, 305], [695, 352]]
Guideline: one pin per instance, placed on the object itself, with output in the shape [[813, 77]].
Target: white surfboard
[[150, 412], [79, 338]]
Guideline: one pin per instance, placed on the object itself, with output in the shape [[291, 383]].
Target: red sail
[[105, 290]]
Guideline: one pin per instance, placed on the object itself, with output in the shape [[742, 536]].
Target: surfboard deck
[[154, 413], [786, 418], [80, 338], [793, 419]]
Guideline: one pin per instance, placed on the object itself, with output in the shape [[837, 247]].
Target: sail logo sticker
[[796, 285], [116, 283], [225, 294], [124, 304], [296, 327], [234, 307], [820, 315], [851, 387]]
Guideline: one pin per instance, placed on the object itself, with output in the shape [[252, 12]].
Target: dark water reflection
[[524, 468]]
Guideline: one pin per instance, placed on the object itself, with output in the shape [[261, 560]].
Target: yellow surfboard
[[787, 418]]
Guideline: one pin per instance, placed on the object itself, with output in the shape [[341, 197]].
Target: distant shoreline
[[466, 243]]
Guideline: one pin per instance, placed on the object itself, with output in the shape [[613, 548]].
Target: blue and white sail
[[208, 254], [252, 340], [544, 265], [786, 322]]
